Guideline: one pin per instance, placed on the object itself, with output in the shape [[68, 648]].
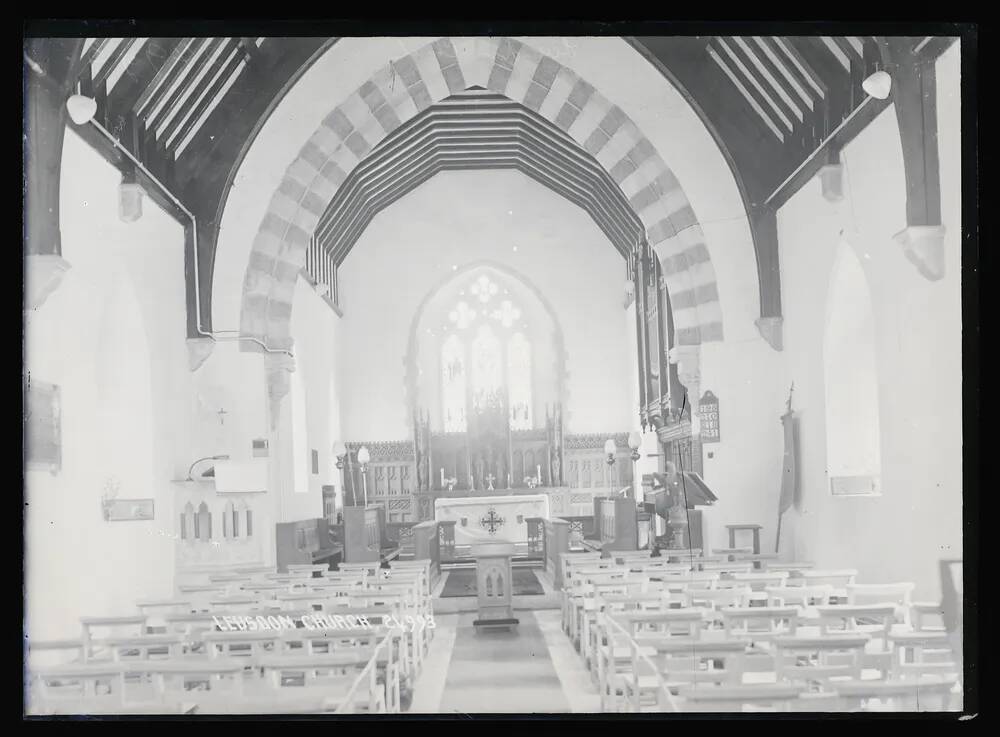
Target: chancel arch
[[415, 82]]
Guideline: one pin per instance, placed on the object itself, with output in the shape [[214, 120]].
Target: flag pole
[[781, 512]]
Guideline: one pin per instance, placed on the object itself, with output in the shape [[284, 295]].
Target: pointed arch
[[412, 83], [203, 523], [850, 364]]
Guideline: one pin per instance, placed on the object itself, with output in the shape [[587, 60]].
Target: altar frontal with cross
[[491, 518]]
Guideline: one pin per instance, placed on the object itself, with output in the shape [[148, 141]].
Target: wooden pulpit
[[495, 585]]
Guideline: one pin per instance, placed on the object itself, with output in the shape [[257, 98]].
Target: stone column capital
[[687, 358], [279, 368], [923, 245], [199, 349], [43, 273], [770, 329]]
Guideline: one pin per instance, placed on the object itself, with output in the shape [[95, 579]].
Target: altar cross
[[491, 478], [492, 521]]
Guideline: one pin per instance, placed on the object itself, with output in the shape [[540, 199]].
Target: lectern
[[494, 585]]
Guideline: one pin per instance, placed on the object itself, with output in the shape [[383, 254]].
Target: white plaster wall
[[112, 338], [903, 533], [314, 328]]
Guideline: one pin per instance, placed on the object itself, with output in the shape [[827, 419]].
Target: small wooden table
[[754, 528], [494, 585]]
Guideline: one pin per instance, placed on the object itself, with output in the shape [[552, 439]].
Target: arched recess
[[853, 438], [460, 277], [411, 84]]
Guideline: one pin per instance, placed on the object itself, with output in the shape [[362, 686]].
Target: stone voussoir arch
[[414, 82]]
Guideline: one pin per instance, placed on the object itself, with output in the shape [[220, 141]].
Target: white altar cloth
[[474, 522]]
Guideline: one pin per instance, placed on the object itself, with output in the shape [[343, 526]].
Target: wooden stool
[[755, 529]]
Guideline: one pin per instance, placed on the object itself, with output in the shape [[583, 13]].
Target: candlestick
[[538, 474], [442, 476]]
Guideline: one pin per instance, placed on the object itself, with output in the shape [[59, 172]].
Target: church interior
[[463, 375]]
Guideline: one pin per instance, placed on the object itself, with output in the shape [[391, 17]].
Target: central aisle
[[531, 670]]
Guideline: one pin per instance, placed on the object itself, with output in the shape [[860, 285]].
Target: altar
[[483, 519]]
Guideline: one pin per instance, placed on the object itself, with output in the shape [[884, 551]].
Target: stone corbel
[[279, 372], [770, 329], [199, 349], [923, 245], [43, 273], [831, 177], [688, 361]]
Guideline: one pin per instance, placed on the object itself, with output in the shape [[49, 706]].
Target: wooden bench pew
[[837, 580], [760, 625], [727, 568], [242, 643], [927, 616], [761, 561], [875, 620], [921, 653], [803, 596], [130, 625], [895, 594], [138, 647], [816, 660], [923, 694], [310, 568], [731, 554], [677, 664], [53, 652], [793, 568], [762, 697]]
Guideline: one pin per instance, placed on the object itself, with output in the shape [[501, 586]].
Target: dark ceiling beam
[[205, 171], [848, 49], [123, 47], [85, 59], [915, 95], [232, 127], [758, 55], [755, 157], [120, 113], [821, 62], [154, 143], [160, 94], [47, 84], [168, 140], [773, 101], [152, 90], [196, 115], [803, 81]]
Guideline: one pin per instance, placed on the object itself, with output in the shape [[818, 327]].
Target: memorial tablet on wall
[[708, 416]]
